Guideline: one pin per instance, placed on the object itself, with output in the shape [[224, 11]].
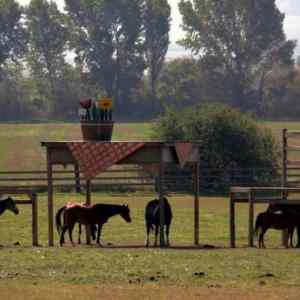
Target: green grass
[[128, 261], [32, 273], [20, 144], [20, 147]]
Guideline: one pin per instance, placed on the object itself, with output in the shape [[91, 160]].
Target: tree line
[[51, 58]]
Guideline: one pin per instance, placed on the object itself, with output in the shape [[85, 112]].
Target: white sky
[[291, 8]]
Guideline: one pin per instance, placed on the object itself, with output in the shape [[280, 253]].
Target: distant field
[[20, 147], [20, 144]]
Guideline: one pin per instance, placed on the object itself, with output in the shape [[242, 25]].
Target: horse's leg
[[263, 231], [79, 233], [98, 234], [148, 232], [261, 237], [298, 236], [70, 229], [93, 230], [291, 234], [156, 234], [62, 235], [167, 234]]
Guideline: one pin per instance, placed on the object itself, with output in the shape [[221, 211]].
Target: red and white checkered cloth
[[183, 151], [95, 157]]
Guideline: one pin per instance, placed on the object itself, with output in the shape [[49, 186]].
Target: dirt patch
[[149, 291]]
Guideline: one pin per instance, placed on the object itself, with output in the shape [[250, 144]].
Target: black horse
[[286, 220], [8, 204], [287, 207], [152, 217], [95, 214], [93, 227]]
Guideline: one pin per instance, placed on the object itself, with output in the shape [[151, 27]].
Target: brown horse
[[95, 214], [93, 227], [8, 204], [286, 220]]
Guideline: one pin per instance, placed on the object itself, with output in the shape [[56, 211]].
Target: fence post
[[34, 219], [232, 220], [77, 178], [251, 218]]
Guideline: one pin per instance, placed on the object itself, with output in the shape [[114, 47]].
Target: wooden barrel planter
[[97, 130]]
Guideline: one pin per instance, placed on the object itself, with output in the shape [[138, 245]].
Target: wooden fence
[[134, 178]]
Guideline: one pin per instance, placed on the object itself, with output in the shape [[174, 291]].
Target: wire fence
[[135, 179]]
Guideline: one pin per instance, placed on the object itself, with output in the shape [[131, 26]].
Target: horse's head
[[125, 213], [11, 205]]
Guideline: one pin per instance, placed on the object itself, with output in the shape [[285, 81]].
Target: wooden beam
[[196, 203], [77, 178], [88, 202], [50, 199], [161, 201], [35, 241], [251, 219]]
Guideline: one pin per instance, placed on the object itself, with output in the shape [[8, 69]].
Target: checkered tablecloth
[[95, 157]]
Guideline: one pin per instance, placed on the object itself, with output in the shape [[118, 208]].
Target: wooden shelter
[[93, 157]]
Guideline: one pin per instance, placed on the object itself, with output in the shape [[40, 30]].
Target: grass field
[[20, 144], [124, 268], [20, 147]]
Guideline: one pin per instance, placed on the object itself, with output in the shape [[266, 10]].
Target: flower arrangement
[[99, 110], [96, 119]]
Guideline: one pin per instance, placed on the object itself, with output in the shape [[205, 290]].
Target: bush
[[227, 139]]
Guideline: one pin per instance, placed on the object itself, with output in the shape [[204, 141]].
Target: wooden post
[[196, 203], [34, 219], [77, 178], [284, 183], [88, 202], [50, 200], [232, 220], [251, 217], [161, 201], [284, 160]]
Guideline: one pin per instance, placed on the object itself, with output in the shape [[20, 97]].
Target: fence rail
[[137, 178]]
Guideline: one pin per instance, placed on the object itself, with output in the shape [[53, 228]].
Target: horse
[[8, 204], [93, 227], [273, 207], [152, 218], [287, 220], [96, 214]]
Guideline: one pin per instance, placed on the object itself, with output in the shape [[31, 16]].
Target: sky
[[291, 8]]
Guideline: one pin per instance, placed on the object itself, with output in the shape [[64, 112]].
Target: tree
[[47, 45], [180, 83], [12, 32], [236, 40], [228, 140], [157, 27], [107, 38]]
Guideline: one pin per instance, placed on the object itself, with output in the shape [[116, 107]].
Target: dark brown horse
[[274, 207], [287, 220], [152, 218], [8, 204], [60, 212], [95, 214]]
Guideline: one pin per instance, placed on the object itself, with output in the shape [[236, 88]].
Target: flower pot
[[97, 130]]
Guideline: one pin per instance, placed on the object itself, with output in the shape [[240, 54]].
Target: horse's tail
[[58, 219], [258, 224]]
